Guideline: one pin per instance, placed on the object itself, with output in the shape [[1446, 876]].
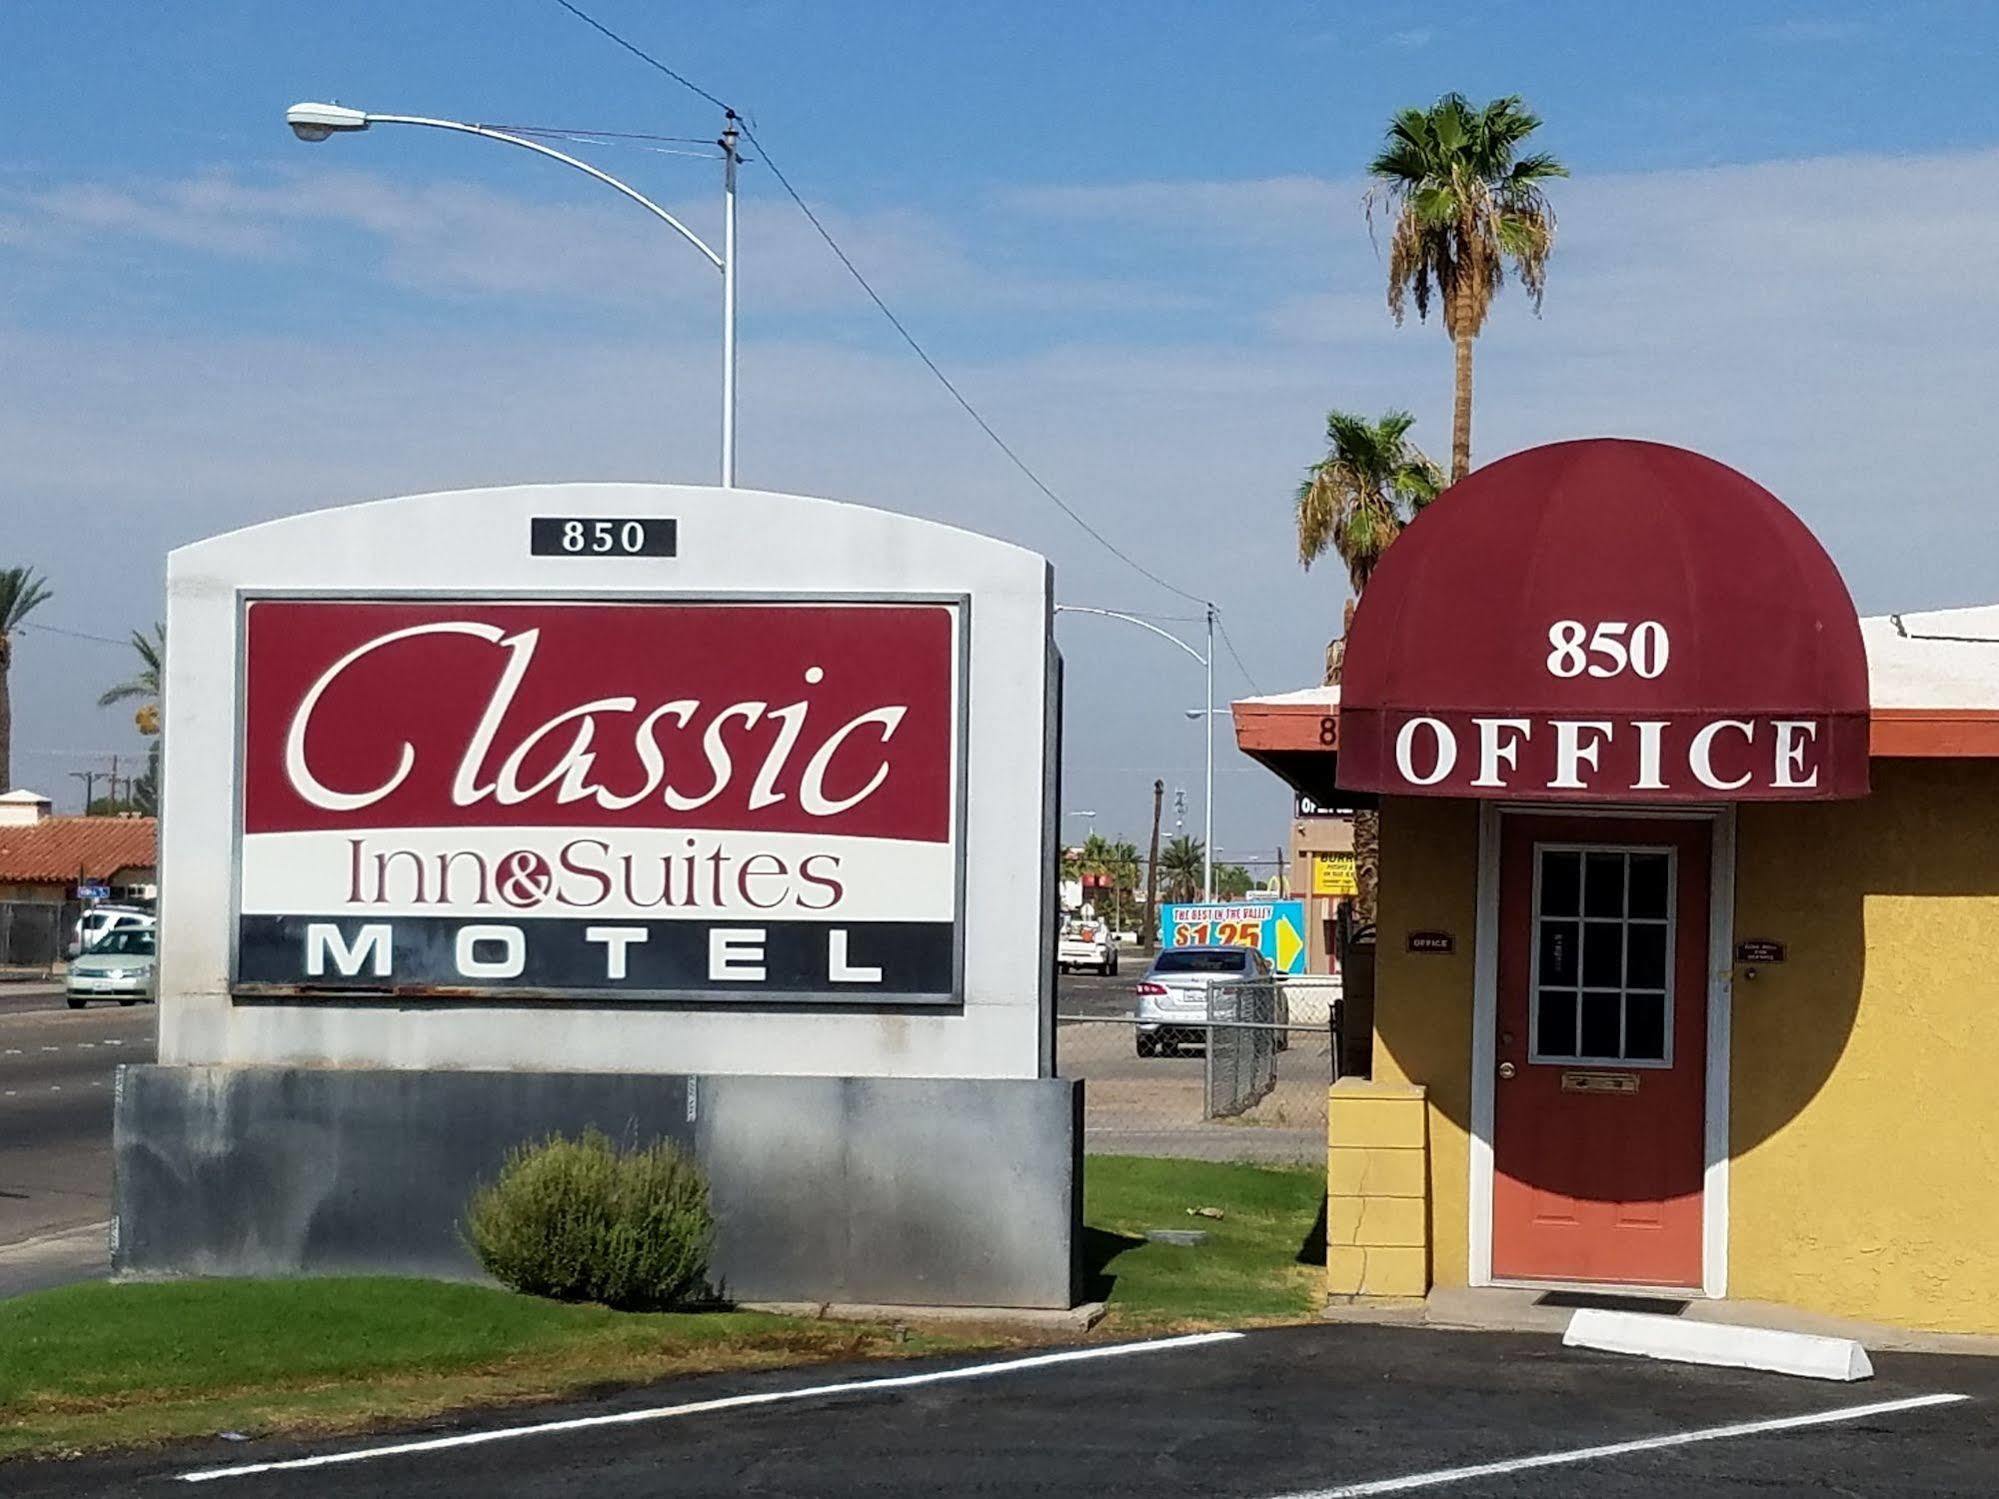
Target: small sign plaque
[[1436, 942], [603, 536], [1759, 950]]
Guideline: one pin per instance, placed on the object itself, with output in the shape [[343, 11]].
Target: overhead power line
[[895, 322], [1234, 655], [75, 634]]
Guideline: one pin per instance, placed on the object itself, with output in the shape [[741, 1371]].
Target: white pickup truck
[[1087, 944]]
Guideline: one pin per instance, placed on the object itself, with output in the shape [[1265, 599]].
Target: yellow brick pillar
[[1377, 1190]]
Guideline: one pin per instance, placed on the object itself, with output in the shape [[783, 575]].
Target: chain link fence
[[34, 935], [1243, 1079]]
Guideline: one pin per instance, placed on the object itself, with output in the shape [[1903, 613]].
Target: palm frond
[[1454, 179], [22, 591]]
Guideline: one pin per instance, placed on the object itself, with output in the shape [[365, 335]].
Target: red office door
[[1599, 1102]]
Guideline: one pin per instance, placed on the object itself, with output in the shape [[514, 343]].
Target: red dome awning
[[1606, 620]]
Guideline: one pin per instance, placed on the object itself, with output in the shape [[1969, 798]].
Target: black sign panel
[[1435, 942], [718, 961], [603, 536]]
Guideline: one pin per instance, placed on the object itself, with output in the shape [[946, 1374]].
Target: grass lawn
[[1264, 1260], [102, 1365]]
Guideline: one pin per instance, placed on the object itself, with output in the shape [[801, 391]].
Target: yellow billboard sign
[[1334, 874]]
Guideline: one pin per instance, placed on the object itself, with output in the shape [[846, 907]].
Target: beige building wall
[[1310, 836]]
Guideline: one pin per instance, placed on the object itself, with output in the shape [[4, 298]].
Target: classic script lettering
[[842, 766]]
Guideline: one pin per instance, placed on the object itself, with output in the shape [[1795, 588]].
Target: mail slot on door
[[1599, 1082]]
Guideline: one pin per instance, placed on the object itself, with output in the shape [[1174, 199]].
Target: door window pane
[[1561, 882], [1645, 961], [1557, 1037], [1603, 885], [1558, 952], [1645, 1027], [1603, 954], [1648, 885], [1602, 1031]]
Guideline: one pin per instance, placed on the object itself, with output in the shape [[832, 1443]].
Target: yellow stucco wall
[[1865, 1068], [1865, 1117], [1422, 1021]]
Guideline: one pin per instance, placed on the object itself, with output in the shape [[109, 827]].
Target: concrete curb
[[1722, 1344], [1073, 1319]]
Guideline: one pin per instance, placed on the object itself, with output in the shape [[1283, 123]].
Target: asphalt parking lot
[[1320, 1411]]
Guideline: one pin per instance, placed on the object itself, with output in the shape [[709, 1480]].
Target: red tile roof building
[[62, 850]]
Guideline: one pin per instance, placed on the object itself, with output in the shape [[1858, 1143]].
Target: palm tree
[[21, 592], [1466, 203], [1354, 502], [1180, 861], [144, 684], [1121, 862]]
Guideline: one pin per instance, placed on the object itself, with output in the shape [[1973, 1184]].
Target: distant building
[[47, 858]]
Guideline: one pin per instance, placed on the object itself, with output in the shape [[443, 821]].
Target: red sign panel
[[727, 800]]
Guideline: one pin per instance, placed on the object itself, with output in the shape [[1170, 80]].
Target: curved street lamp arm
[[1132, 619], [569, 161]]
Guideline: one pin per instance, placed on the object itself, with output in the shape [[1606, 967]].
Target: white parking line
[[1442, 1476], [724, 1403]]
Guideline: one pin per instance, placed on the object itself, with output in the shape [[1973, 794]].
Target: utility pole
[[1152, 873], [1283, 873], [89, 779]]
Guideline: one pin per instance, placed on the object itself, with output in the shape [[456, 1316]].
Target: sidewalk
[[56, 1259], [1512, 1309]]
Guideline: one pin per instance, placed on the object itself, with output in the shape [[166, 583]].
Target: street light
[[1208, 666], [318, 122]]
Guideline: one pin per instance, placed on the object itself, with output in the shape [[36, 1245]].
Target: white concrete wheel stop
[[1649, 1335]]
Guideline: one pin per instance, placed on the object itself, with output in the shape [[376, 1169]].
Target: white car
[[1087, 944], [100, 921], [1188, 987], [120, 965]]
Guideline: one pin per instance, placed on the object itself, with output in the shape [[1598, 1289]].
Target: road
[[56, 1069], [1305, 1411]]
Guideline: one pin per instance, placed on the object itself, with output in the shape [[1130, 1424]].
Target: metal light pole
[[1208, 794], [728, 145], [1207, 666], [318, 122]]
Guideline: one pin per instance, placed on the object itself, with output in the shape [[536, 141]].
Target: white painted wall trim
[[1485, 1015], [1484, 1042], [1720, 1013]]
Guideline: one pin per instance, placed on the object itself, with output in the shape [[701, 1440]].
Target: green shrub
[[582, 1220]]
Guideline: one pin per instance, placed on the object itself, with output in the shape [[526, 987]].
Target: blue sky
[[1132, 233]]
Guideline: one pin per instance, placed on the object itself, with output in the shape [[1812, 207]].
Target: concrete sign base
[[904, 1191]]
